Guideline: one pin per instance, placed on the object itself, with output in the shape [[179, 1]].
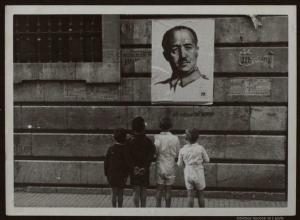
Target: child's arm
[[180, 162], [106, 159], [128, 157], [177, 146], [156, 141], [205, 156], [177, 149], [152, 152], [156, 144]]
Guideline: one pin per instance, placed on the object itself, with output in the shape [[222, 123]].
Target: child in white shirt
[[192, 156], [167, 148]]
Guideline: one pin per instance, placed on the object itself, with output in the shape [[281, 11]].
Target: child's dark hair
[[138, 124], [165, 124], [192, 135], [120, 135]]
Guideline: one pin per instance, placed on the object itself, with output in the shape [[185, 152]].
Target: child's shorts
[[142, 179], [194, 177], [117, 181], [165, 179]]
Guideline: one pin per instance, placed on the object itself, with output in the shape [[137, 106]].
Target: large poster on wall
[[182, 61]]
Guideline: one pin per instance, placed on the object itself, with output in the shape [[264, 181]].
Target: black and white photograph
[[150, 110], [182, 61]]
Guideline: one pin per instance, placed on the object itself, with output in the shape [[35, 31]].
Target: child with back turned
[[167, 148], [139, 154], [192, 156], [115, 167]]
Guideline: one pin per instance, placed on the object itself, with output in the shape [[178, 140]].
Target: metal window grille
[[57, 38]]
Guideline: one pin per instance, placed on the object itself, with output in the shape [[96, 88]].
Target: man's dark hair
[[138, 124], [165, 123], [168, 34], [120, 135]]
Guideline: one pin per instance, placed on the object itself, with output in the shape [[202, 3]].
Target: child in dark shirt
[[115, 168], [140, 153]]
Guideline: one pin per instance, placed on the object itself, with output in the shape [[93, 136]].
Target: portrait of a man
[[176, 76]]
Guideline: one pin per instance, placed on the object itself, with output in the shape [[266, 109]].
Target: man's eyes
[[187, 47], [174, 49]]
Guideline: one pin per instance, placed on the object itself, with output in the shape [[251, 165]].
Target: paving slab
[[25, 199]]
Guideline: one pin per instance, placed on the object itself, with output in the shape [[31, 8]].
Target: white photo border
[[289, 10]]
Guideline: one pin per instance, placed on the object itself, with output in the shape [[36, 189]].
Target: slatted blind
[[57, 38]]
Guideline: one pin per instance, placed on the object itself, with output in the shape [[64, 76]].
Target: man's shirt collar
[[182, 81]]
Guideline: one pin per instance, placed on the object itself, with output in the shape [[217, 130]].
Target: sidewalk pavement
[[26, 199]]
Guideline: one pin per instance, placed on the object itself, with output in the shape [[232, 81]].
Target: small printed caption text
[[260, 218]]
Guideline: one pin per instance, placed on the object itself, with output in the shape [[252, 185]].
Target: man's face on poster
[[182, 51]]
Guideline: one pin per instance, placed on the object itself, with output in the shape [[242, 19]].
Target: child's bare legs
[[159, 192], [114, 196], [117, 195], [190, 198], [143, 196], [120, 197], [136, 196], [139, 195], [200, 195], [168, 196]]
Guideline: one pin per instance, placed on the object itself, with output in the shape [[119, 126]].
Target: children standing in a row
[[137, 154]]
